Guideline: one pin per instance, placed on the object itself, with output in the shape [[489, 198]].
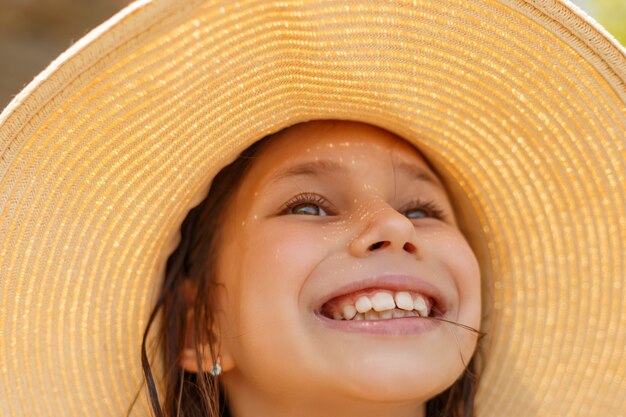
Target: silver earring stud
[[216, 369]]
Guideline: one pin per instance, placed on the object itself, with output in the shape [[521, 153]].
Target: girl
[[277, 290], [324, 252]]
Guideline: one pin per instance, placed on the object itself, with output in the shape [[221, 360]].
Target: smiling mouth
[[379, 304]]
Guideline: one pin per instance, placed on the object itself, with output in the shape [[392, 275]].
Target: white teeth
[[404, 301], [383, 305], [363, 304], [382, 301], [349, 311], [419, 304]]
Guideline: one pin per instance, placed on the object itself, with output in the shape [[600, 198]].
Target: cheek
[[264, 269], [452, 253], [467, 278], [291, 249], [462, 261]]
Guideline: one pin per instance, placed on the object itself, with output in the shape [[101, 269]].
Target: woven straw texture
[[521, 105]]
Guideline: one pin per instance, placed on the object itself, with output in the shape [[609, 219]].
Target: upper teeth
[[381, 305]]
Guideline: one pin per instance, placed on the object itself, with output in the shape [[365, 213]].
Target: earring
[[216, 369]]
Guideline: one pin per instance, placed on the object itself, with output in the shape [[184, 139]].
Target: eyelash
[[306, 198], [432, 209]]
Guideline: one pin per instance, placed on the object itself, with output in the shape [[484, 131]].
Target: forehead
[[335, 143]]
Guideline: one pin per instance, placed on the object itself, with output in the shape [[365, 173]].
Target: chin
[[389, 379]]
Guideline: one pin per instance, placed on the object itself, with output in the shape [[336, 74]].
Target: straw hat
[[520, 105]]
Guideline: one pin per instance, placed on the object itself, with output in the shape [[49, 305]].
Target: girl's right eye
[[306, 204], [308, 209]]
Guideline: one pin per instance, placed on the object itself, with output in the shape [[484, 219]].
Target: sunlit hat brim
[[520, 105]]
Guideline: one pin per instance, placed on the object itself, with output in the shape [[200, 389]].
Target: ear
[[188, 359]]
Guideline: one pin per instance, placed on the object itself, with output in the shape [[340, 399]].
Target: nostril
[[378, 245], [409, 247]]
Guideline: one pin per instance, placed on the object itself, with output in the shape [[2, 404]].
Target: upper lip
[[391, 282]]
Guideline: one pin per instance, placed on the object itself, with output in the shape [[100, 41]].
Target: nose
[[385, 229]]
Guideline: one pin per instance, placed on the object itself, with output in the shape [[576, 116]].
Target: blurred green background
[[34, 32]]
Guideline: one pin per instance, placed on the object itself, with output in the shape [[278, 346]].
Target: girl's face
[[334, 218]]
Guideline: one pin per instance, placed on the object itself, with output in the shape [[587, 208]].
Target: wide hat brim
[[520, 105]]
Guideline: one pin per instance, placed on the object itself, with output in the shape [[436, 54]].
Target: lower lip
[[393, 327]]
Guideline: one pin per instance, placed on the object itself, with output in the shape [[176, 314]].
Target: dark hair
[[199, 394]]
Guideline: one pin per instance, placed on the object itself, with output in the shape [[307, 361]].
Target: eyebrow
[[323, 166], [309, 169], [417, 173]]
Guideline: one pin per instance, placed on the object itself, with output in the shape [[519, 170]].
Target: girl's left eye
[[306, 204], [424, 210]]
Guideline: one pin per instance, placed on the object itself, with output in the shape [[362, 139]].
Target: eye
[[416, 214], [306, 204], [423, 209], [308, 209]]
